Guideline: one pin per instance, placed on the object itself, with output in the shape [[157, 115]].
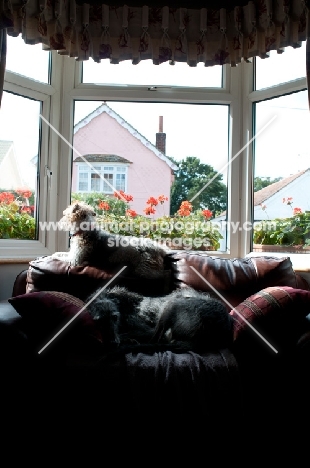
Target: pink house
[[112, 155]]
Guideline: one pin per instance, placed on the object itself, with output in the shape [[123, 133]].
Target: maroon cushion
[[233, 280], [271, 318], [52, 319]]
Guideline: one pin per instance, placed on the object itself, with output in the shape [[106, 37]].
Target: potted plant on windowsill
[[290, 234]]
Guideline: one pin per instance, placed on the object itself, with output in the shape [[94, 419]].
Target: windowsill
[[16, 260], [300, 262], [21, 251]]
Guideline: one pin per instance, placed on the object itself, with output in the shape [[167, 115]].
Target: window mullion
[[246, 161]]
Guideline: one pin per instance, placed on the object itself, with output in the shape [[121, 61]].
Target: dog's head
[[78, 217]]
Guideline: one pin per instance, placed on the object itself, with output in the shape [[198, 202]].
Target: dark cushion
[[55, 320], [233, 280], [50, 274], [270, 318]]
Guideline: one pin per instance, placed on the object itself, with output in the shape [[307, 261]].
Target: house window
[[101, 179]]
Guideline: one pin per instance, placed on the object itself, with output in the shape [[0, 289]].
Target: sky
[[191, 130]]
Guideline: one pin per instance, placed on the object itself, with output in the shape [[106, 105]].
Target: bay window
[[247, 122]]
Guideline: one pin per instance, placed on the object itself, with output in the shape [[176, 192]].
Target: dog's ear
[[76, 207]]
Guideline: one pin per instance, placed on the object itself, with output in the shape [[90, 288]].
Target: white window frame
[[249, 98], [22, 250], [227, 95], [56, 146]]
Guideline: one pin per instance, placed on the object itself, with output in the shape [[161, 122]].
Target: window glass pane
[[32, 62], [95, 183], [83, 186], [282, 173], [175, 154], [19, 143], [120, 182], [108, 187], [147, 74], [280, 68]]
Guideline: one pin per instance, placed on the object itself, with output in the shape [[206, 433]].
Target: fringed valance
[[212, 36], [215, 36]]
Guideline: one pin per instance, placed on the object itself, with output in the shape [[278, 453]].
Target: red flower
[[297, 211], [104, 206], [184, 212], [24, 193], [128, 197], [25, 209], [152, 201], [6, 198], [288, 200], [131, 213], [185, 208], [121, 195], [162, 199], [149, 210], [207, 214]]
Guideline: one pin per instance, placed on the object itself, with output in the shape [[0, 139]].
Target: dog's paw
[[61, 256]]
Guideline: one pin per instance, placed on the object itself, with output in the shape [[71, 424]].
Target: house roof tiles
[[111, 158]]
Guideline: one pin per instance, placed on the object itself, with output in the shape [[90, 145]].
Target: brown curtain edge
[[308, 67], [190, 4], [2, 60]]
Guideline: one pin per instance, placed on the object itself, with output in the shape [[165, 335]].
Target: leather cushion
[[233, 280], [56, 321], [50, 274]]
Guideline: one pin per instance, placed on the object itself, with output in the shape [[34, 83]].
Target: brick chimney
[[161, 137]]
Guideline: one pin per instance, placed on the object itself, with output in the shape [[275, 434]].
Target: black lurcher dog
[[184, 319], [200, 322]]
